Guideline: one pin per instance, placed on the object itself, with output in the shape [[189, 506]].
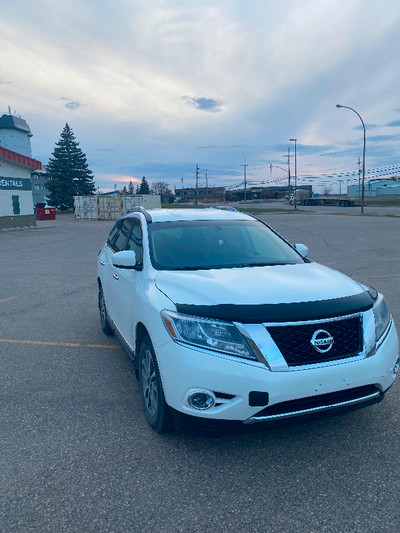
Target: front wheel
[[105, 325], [156, 410]]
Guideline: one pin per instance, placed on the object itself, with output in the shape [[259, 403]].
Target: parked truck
[[342, 201]]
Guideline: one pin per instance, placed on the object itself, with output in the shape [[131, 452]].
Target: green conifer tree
[[144, 187], [69, 172]]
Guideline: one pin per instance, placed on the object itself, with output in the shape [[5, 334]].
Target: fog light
[[201, 400]]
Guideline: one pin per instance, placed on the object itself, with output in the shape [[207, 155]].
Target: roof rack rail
[[141, 209], [225, 207]]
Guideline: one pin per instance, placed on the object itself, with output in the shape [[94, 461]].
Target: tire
[[105, 325], [155, 408]]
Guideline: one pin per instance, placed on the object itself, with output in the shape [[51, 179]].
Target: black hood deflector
[[285, 312]]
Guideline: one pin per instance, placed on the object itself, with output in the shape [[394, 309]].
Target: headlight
[[382, 316], [207, 333]]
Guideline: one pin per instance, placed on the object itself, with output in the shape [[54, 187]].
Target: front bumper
[[231, 380]]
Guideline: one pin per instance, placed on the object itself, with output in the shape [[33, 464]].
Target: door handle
[[102, 263], [115, 276]]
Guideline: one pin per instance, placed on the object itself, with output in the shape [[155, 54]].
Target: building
[[204, 194], [15, 134], [377, 187], [16, 165], [40, 193], [263, 193]]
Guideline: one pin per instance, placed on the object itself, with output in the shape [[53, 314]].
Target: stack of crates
[[109, 206], [112, 206], [85, 207], [148, 201]]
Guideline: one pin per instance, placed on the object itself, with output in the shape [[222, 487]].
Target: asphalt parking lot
[[78, 456]]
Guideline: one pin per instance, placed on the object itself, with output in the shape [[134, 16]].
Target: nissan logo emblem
[[322, 341]]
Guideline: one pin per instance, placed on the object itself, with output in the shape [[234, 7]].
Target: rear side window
[[135, 241], [113, 233], [120, 238]]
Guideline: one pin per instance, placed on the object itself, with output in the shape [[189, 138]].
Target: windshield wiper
[[189, 268], [274, 263]]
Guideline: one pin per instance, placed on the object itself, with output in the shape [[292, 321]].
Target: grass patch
[[382, 201]]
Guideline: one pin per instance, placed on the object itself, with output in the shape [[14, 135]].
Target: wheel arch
[[141, 332]]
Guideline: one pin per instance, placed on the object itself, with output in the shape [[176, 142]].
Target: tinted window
[[113, 233], [135, 241], [217, 244], [121, 237]]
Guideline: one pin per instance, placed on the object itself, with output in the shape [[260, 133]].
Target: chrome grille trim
[[282, 416], [312, 322]]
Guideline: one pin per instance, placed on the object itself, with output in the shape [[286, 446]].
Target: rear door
[[127, 283]]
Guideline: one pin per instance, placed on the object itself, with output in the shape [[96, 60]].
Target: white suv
[[227, 322]]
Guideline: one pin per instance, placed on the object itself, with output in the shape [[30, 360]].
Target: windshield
[[209, 244]]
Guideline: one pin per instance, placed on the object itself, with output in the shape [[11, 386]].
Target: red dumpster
[[45, 213]]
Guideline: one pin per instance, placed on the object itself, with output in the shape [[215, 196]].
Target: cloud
[[304, 149], [394, 123], [367, 126], [157, 169], [73, 105], [228, 147], [2, 82], [210, 105], [383, 138]]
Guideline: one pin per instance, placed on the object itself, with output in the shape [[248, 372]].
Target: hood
[[281, 293], [256, 285]]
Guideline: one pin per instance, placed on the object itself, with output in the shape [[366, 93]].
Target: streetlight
[[363, 167], [295, 172]]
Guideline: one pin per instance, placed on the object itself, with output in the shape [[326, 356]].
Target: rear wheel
[[155, 408], [105, 325]]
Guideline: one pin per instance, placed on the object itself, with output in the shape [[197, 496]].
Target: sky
[[155, 87]]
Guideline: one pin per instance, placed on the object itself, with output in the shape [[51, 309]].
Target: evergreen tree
[[131, 189], [144, 187], [69, 172]]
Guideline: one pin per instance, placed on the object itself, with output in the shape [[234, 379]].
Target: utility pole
[[270, 171], [359, 177], [206, 185], [197, 184], [244, 179], [182, 181], [288, 165], [295, 173]]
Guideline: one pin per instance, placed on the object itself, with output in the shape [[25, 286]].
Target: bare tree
[[161, 188]]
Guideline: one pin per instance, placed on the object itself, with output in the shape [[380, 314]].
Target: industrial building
[[16, 165], [377, 187], [264, 193], [203, 194]]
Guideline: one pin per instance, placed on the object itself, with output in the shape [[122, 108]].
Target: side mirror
[[124, 259], [302, 248]]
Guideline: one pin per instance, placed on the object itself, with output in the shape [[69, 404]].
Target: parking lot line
[[10, 298], [67, 344]]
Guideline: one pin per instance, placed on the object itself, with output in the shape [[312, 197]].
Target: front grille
[[319, 402], [294, 342]]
